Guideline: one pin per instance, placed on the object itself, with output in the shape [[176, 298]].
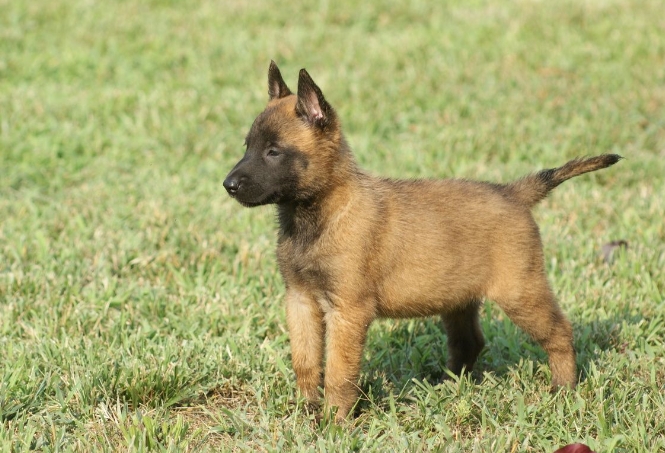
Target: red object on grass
[[575, 448]]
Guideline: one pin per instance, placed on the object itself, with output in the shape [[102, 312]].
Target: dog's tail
[[532, 188]]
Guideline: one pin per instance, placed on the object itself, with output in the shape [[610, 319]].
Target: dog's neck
[[302, 220], [299, 221]]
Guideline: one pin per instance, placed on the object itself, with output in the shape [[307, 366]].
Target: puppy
[[354, 247]]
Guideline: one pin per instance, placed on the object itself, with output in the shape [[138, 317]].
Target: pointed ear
[[311, 104], [276, 87]]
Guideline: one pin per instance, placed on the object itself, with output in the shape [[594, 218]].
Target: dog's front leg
[[346, 333], [306, 330]]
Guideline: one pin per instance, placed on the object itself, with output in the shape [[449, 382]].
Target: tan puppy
[[354, 247]]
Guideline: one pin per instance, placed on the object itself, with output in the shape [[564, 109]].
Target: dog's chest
[[320, 257], [305, 266]]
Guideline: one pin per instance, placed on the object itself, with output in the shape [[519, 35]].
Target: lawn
[[141, 308]]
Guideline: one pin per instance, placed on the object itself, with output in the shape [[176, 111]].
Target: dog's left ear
[[311, 104], [276, 87]]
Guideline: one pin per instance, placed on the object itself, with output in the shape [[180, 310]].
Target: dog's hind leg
[[536, 311], [465, 338]]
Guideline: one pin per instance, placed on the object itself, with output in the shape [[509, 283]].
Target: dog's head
[[292, 147]]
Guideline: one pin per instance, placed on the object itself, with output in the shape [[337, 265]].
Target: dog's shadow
[[401, 351]]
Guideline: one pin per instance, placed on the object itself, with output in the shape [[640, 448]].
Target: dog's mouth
[[249, 203], [248, 193]]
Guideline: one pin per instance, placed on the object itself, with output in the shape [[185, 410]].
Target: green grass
[[141, 308]]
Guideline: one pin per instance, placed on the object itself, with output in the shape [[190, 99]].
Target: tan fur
[[364, 247]]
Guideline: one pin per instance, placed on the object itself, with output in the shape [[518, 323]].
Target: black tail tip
[[611, 159]]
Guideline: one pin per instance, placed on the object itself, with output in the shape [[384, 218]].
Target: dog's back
[[439, 243]]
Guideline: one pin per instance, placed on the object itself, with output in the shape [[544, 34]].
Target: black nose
[[231, 185]]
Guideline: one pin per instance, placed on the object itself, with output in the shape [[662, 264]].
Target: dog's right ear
[[311, 104], [276, 87]]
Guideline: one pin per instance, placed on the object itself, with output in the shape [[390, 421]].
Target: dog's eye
[[272, 153]]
